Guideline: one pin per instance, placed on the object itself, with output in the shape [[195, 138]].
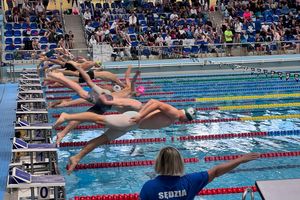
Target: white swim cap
[[190, 113], [117, 88]]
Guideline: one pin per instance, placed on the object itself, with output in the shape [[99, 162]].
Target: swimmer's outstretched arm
[[85, 76], [153, 105], [132, 83], [127, 75]]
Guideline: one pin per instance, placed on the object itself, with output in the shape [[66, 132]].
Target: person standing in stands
[[228, 40], [171, 183]]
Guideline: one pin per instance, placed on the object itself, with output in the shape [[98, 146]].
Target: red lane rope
[[123, 164], [128, 141], [72, 91], [190, 122], [98, 81], [146, 94], [222, 136], [262, 155], [167, 101], [135, 196]]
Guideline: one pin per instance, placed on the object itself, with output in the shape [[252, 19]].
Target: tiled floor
[[8, 95]]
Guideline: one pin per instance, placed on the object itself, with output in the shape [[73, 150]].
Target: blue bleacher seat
[[25, 26], [42, 32], [53, 46], [105, 5], [8, 26], [9, 56], [98, 5], [194, 49], [44, 46], [17, 26], [132, 37], [95, 24], [33, 18], [251, 39], [8, 33], [131, 30], [43, 40], [146, 52], [17, 41], [26, 39], [143, 23], [26, 56], [7, 12], [134, 43], [9, 48], [17, 33], [34, 33], [33, 26], [275, 18], [186, 50], [8, 41]]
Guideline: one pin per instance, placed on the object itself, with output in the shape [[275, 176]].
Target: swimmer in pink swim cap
[[140, 90]]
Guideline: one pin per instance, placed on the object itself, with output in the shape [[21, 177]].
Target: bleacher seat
[[132, 37], [34, 33], [25, 26], [8, 41], [25, 39], [17, 41], [53, 46], [8, 26], [17, 33], [9, 48], [8, 33], [105, 5], [9, 56], [44, 46], [194, 49], [33, 26], [33, 18], [98, 5], [43, 40], [134, 43], [17, 26]]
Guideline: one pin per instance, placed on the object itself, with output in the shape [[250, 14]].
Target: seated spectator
[[61, 43], [169, 166], [168, 40], [87, 16], [247, 15], [40, 9], [35, 44], [99, 34], [92, 41], [159, 41], [133, 20], [193, 12]]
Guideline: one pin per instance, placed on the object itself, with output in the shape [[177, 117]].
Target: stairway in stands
[[73, 23]]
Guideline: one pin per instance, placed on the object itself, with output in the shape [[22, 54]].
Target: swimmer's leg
[[66, 103], [69, 83], [91, 145], [82, 117], [108, 76], [67, 129], [54, 104]]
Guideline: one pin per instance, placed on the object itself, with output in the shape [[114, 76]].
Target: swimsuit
[[119, 124], [69, 66], [91, 75]]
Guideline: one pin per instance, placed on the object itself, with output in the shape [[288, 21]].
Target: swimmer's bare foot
[[72, 164], [60, 120], [59, 137]]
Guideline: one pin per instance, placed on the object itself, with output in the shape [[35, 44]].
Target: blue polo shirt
[[174, 187]]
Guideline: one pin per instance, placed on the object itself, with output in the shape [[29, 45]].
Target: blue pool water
[[130, 179]]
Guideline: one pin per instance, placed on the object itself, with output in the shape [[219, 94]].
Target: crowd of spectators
[[250, 22], [262, 26], [30, 26]]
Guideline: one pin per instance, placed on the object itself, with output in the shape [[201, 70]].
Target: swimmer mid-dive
[[102, 103], [153, 115]]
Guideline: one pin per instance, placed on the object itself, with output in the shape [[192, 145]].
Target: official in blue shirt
[[172, 184]]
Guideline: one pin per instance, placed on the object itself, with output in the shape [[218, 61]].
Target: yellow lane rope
[[258, 118], [276, 105], [266, 96]]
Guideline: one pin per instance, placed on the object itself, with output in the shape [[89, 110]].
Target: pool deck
[[8, 104]]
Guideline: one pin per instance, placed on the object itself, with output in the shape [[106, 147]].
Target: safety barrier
[[135, 196], [203, 121], [123, 164], [114, 142], [262, 155]]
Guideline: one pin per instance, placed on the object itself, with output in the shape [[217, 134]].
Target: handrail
[[246, 192]]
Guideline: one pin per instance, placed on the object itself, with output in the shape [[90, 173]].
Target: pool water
[[130, 179]]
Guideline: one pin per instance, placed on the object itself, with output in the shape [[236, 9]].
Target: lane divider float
[[123, 164], [262, 155]]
